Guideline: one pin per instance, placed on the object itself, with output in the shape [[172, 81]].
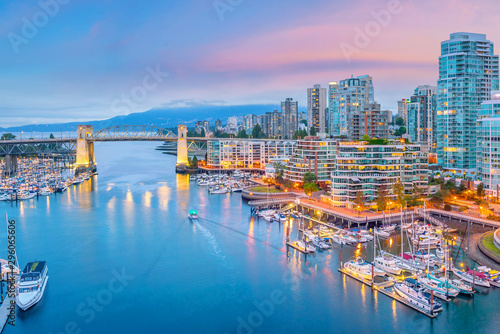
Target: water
[[227, 273]]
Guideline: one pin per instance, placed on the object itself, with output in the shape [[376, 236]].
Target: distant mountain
[[165, 118]]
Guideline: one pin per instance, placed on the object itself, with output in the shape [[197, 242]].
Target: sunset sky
[[79, 62]]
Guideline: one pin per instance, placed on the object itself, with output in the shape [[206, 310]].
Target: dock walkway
[[5, 312]]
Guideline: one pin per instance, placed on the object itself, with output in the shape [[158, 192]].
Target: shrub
[[447, 207]]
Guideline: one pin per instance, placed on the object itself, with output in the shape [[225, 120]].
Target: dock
[[5, 311], [384, 289], [294, 246]]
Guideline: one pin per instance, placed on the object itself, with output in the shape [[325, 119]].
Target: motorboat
[[362, 269], [388, 264], [320, 244], [32, 284], [307, 248], [470, 278], [193, 215], [346, 237], [218, 190], [411, 291], [280, 217], [381, 233], [338, 239]]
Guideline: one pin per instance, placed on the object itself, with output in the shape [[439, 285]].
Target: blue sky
[[94, 59]]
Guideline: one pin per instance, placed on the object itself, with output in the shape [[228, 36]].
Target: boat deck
[[384, 289]]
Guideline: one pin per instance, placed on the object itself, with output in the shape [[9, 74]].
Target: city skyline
[[84, 68]]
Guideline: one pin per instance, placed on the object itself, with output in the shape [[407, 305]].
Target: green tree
[[312, 131], [310, 188], [51, 136], [400, 121], [296, 135], [399, 132], [8, 136], [309, 177], [359, 202], [398, 189], [480, 191], [381, 197], [365, 138], [194, 162], [242, 134], [203, 134], [257, 131], [303, 133]]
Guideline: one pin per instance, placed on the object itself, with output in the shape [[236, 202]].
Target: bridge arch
[[132, 132]]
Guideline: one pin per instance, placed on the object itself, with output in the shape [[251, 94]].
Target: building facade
[[402, 109], [316, 108], [488, 152], [371, 121], [360, 167], [346, 96], [289, 110], [420, 121], [314, 156], [468, 72]]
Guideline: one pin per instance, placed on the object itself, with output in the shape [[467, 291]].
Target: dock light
[[390, 242], [461, 264], [286, 190], [359, 246], [455, 237], [251, 194]]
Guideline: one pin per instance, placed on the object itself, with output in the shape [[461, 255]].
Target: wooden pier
[[384, 289]]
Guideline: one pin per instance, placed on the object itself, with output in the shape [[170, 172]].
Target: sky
[[77, 60]]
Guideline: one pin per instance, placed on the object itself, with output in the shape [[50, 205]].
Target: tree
[[8, 136], [310, 188], [242, 134], [280, 171], [309, 177], [480, 190], [296, 135], [203, 134], [381, 197], [447, 207], [303, 133], [398, 189], [51, 136], [400, 121], [194, 162], [365, 138], [312, 131], [257, 131], [399, 132], [359, 202]]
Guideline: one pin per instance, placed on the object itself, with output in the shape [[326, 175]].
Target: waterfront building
[[249, 154], [349, 95], [316, 108], [360, 166], [488, 152], [371, 121], [289, 111], [468, 72], [314, 156], [420, 121]]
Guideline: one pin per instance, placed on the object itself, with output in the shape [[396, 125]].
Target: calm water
[[227, 273]]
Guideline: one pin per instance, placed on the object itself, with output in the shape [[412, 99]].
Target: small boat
[[320, 244], [193, 215], [381, 233], [471, 279], [280, 217], [338, 239], [438, 286], [308, 248], [32, 284], [388, 264], [462, 287], [414, 293]]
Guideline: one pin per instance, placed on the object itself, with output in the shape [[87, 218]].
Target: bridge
[[85, 138]]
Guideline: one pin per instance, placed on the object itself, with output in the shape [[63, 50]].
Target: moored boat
[[32, 284]]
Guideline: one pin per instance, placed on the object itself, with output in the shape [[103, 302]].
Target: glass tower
[[468, 72]]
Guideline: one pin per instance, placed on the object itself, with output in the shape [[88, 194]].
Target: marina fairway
[[125, 258]]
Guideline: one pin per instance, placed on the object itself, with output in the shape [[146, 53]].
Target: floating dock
[[383, 288], [294, 246], [5, 311]]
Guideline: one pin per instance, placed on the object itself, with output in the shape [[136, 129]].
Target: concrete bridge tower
[[182, 149], [84, 148]]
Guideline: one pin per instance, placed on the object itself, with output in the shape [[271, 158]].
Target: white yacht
[[362, 269], [438, 286], [388, 264], [469, 278], [414, 294], [32, 284], [381, 233], [310, 249]]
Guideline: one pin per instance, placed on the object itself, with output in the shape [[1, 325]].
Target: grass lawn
[[272, 190], [487, 242]]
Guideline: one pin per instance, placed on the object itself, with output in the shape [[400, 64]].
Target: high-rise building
[[316, 108], [349, 95], [420, 122], [371, 121], [468, 72], [218, 125], [249, 121], [403, 108], [289, 110], [232, 125], [488, 151], [276, 124]]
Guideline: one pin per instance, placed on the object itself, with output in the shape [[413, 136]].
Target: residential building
[[371, 121], [420, 121], [402, 108], [249, 121], [218, 125], [275, 120], [349, 95], [488, 152], [289, 110], [241, 153], [468, 72], [314, 156], [302, 116], [232, 125], [365, 168], [316, 108]]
